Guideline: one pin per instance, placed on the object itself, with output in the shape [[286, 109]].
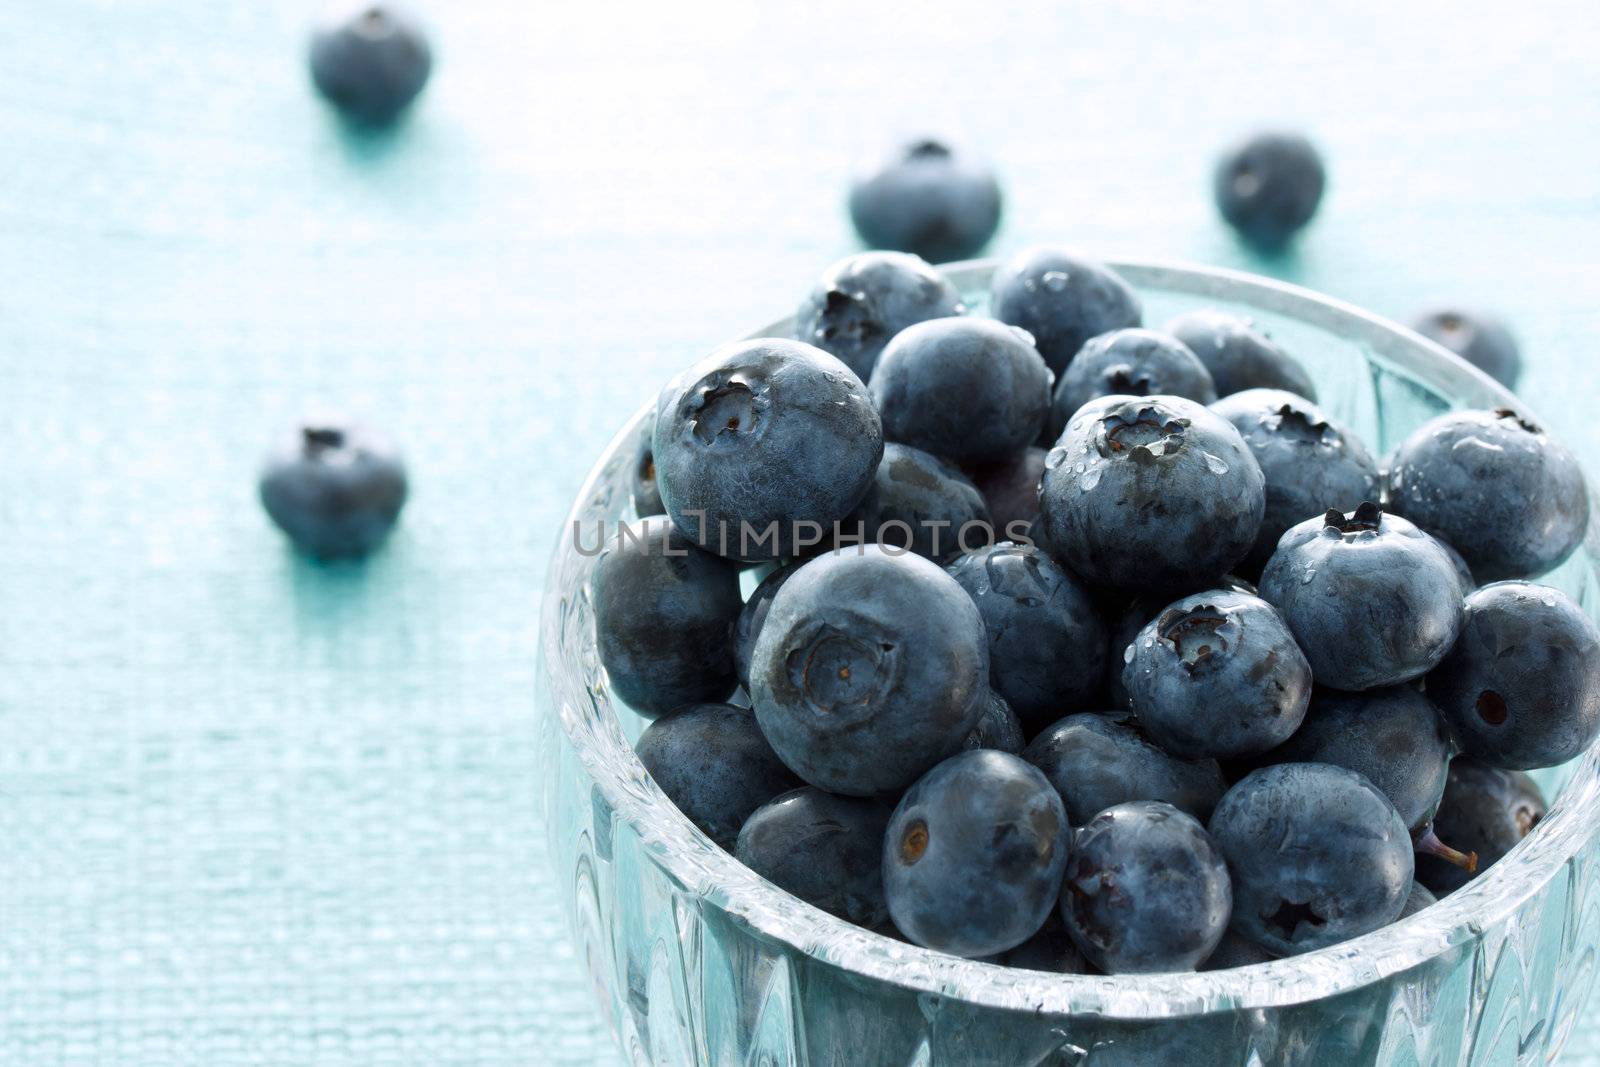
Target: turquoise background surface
[[258, 812]]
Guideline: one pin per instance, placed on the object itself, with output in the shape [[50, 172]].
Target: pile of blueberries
[[1085, 647]]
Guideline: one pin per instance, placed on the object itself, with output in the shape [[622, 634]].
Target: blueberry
[[1371, 599], [762, 445], [1051, 950], [1062, 299], [1485, 811], [1268, 186], [1394, 737], [752, 615], [1234, 951], [646, 497], [1512, 501], [335, 489], [929, 198], [973, 858], [919, 502], [714, 765], [1131, 362], [1047, 645], [371, 64], [1097, 760], [1217, 674], [1152, 493], [1521, 687], [1481, 339], [1310, 462], [970, 390], [863, 300], [664, 616], [1132, 614], [1317, 854], [1010, 488], [1146, 890], [825, 849], [1238, 355], [1418, 898], [869, 669], [999, 728]]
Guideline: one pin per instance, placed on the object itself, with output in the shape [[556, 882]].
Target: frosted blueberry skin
[[1371, 600], [664, 617], [1521, 686], [1510, 499], [748, 626], [762, 432], [869, 669], [335, 489], [1051, 950], [1096, 760], [973, 857], [1131, 362], [714, 765], [921, 491], [1234, 951], [1485, 811], [1316, 853], [1217, 674], [1394, 737], [1310, 462], [1481, 339], [1151, 494], [929, 198], [1145, 891], [999, 728], [1047, 644], [371, 64], [1010, 488], [968, 390], [1238, 355], [1062, 299], [825, 849], [863, 300], [642, 477], [1268, 186]]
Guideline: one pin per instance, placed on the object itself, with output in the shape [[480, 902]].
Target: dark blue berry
[[870, 668], [1131, 362], [1419, 898], [825, 849], [1047, 645], [969, 390], [642, 480], [1146, 890], [1097, 760], [999, 728], [335, 489], [1062, 299], [714, 765], [1479, 338], [1010, 488], [1371, 599], [1217, 674], [1317, 855], [973, 858], [761, 444], [1238, 355], [1310, 462], [371, 64], [1235, 951], [863, 300], [1512, 501], [919, 502], [1051, 950], [1485, 811], [1153, 493], [664, 616], [1521, 686], [752, 615], [1268, 186], [929, 198]]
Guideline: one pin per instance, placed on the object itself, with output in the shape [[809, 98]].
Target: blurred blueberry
[[929, 198], [1477, 337], [335, 489], [370, 63], [1238, 355], [1130, 362], [1268, 186]]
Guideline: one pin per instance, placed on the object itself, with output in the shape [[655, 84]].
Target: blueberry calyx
[[839, 672], [1300, 423], [730, 408], [1144, 433], [1507, 413], [1123, 379], [1199, 635], [914, 842], [321, 439], [928, 148], [1290, 915], [1491, 707], [1365, 519]]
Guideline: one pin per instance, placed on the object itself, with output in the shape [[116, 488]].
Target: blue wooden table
[[253, 811]]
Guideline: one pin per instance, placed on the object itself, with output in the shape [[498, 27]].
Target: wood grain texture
[[253, 812]]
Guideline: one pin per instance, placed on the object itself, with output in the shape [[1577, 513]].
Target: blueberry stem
[[1428, 844]]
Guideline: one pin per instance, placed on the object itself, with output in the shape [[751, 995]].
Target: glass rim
[[702, 868]]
